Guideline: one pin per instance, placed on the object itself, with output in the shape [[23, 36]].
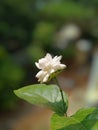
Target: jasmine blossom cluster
[[48, 66]]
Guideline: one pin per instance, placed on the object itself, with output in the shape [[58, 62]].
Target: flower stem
[[61, 95]]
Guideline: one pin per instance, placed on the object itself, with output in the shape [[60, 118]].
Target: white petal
[[39, 74], [52, 71], [46, 78], [57, 58], [62, 66], [37, 65], [42, 63], [59, 67], [48, 57]]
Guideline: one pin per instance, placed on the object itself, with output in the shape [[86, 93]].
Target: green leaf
[[84, 119], [46, 95]]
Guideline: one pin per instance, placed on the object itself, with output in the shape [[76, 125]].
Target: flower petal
[[57, 59], [37, 65], [62, 66], [48, 57], [39, 74], [46, 78]]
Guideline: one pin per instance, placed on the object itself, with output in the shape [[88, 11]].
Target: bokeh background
[[28, 30]]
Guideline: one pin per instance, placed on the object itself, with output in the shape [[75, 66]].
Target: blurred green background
[[31, 28], [28, 30]]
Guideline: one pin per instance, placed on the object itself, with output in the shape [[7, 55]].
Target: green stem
[[61, 94]]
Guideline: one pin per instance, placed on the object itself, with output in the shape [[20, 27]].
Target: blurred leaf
[[7, 99], [35, 52], [3, 53], [17, 32], [44, 32], [46, 95], [69, 52], [84, 119], [16, 72], [23, 6], [10, 73], [11, 76], [65, 10], [4, 27]]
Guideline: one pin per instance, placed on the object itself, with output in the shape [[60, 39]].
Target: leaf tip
[[15, 92]]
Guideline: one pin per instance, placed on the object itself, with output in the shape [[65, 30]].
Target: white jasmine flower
[[48, 66]]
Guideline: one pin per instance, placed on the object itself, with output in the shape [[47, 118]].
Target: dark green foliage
[[84, 119], [10, 76]]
